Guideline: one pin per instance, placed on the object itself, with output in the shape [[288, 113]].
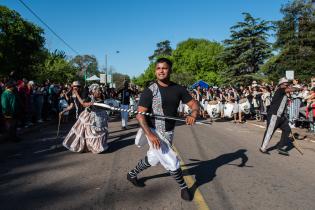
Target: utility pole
[[106, 69], [85, 74]]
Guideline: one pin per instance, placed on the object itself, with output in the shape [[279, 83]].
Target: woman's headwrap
[[94, 87]]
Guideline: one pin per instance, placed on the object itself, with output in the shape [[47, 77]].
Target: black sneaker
[[135, 181], [283, 152], [185, 194]]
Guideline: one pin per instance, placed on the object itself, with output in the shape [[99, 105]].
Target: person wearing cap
[[74, 100], [9, 110], [276, 118]]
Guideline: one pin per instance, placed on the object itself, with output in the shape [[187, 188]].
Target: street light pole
[[85, 75], [106, 69]]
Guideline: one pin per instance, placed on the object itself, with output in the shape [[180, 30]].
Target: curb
[[309, 137]]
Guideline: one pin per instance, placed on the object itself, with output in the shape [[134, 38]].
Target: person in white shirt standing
[[125, 101]]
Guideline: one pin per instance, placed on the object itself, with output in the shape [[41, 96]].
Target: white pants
[[165, 155], [124, 116]]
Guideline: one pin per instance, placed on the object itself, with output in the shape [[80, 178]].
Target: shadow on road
[[121, 142], [205, 171], [289, 147], [132, 126]]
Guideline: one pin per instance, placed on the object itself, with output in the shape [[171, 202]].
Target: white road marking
[[261, 126]]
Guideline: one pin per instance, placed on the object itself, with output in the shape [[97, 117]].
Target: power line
[[49, 28]]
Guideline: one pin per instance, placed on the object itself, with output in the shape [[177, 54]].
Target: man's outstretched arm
[[194, 106]]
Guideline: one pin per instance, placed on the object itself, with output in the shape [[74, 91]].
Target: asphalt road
[[221, 163]]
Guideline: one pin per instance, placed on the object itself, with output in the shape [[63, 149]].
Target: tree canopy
[[197, 59], [246, 49], [244, 56], [162, 49], [119, 79], [22, 51], [192, 59], [295, 41], [21, 43], [86, 64], [56, 68]]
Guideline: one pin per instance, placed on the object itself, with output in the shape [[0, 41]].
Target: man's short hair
[[164, 60]]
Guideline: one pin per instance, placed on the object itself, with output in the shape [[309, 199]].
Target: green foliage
[[163, 49], [183, 78], [144, 79], [295, 41], [119, 79], [21, 44], [197, 58], [193, 59], [86, 64], [246, 49], [56, 68]]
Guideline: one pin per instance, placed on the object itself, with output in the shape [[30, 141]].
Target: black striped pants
[[274, 122]]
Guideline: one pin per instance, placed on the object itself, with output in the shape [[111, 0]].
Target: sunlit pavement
[[38, 173]]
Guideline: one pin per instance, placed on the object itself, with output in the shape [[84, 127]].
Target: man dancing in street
[[276, 118], [163, 98]]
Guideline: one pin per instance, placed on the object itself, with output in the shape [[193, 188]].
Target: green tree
[[86, 64], [21, 44], [246, 49], [295, 41], [163, 49], [56, 68], [192, 59], [144, 79], [119, 79], [196, 59]]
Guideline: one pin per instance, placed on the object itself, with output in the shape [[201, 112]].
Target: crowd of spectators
[[256, 99], [24, 103]]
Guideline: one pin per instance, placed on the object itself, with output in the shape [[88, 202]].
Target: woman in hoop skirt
[[90, 132]]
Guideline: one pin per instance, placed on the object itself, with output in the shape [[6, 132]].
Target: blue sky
[[133, 27]]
